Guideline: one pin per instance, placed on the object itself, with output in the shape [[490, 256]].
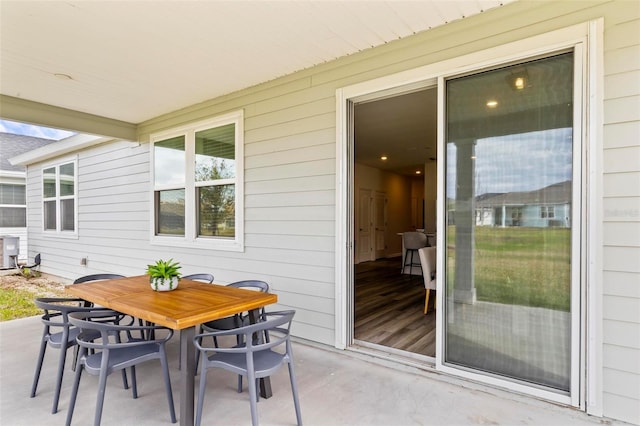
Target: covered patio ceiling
[[127, 62]]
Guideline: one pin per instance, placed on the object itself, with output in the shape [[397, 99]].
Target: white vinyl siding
[[290, 181], [621, 208]]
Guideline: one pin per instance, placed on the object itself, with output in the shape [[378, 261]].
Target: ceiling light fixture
[[418, 172], [492, 103], [383, 158], [518, 79]]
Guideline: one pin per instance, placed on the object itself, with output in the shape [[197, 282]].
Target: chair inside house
[[235, 321], [428, 262], [113, 353], [412, 241], [59, 334], [255, 358], [34, 266]]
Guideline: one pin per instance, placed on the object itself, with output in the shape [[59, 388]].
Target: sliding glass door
[[509, 238]]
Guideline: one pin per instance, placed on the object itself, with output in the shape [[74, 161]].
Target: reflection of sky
[[522, 162], [169, 166]]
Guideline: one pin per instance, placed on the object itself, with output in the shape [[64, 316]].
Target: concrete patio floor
[[335, 388]]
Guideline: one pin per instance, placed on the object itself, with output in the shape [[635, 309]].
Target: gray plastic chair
[[95, 277], [255, 358], [59, 334], [235, 321], [412, 241], [113, 354], [200, 277]]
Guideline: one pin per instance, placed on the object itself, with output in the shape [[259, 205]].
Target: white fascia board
[[65, 146]]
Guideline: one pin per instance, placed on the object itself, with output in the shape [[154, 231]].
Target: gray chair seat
[[255, 357], [56, 317], [113, 353]]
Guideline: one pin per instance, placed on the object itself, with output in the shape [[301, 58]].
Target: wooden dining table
[[183, 309]]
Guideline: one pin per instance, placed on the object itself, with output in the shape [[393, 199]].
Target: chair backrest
[[275, 325], [414, 240], [428, 263], [97, 277], [200, 277], [257, 284], [102, 321], [57, 310]]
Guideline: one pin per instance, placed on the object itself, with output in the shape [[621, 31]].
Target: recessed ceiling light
[[492, 103], [418, 172], [383, 158]]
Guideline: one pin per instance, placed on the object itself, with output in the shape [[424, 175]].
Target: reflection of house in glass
[[540, 208]]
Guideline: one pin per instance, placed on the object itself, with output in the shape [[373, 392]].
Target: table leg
[[265, 383], [187, 375]]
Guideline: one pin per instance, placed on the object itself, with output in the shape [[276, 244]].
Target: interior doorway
[[394, 146]]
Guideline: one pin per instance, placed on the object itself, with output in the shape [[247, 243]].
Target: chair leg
[[294, 391], [203, 384], [167, 385], [56, 395], [253, 395], [426, 301], [102, 386], [36, 377], [134, 382], [74, 394]]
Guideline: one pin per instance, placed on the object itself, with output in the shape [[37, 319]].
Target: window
[[13, 206], [547, 212], [197, 184], [59, 192], [507, 295]]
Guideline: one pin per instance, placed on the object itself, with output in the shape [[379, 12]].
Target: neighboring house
[[258, 184], [542, 208], [13, 201]]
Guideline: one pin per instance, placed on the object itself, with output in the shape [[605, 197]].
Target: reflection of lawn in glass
[[521, 266]]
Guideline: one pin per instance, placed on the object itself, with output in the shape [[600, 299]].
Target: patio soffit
[[132, 61]]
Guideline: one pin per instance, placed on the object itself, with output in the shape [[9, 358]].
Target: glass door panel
[[509, 167]]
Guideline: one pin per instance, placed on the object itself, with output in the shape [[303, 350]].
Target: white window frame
[[58, 232], [586, 373], [191, 238], [15, 206]]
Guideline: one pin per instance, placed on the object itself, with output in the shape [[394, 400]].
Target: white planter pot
[[164, 284]]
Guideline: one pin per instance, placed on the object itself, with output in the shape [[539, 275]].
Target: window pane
[[49, 182], [217, 211], [170, 212], [169, 161], [67, 213], [215, 153], [509, 191], [66, 179], [50, 215], [12, 194], [13, 217]]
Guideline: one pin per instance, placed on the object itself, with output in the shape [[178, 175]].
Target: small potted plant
[[164, 275]]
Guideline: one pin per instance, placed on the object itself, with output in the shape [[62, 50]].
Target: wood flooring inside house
[[389, 308]]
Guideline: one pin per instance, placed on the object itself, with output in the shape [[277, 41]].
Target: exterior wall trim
[[567, 37]]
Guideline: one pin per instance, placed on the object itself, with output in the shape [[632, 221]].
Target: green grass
[[521, 266], [17, 304]]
